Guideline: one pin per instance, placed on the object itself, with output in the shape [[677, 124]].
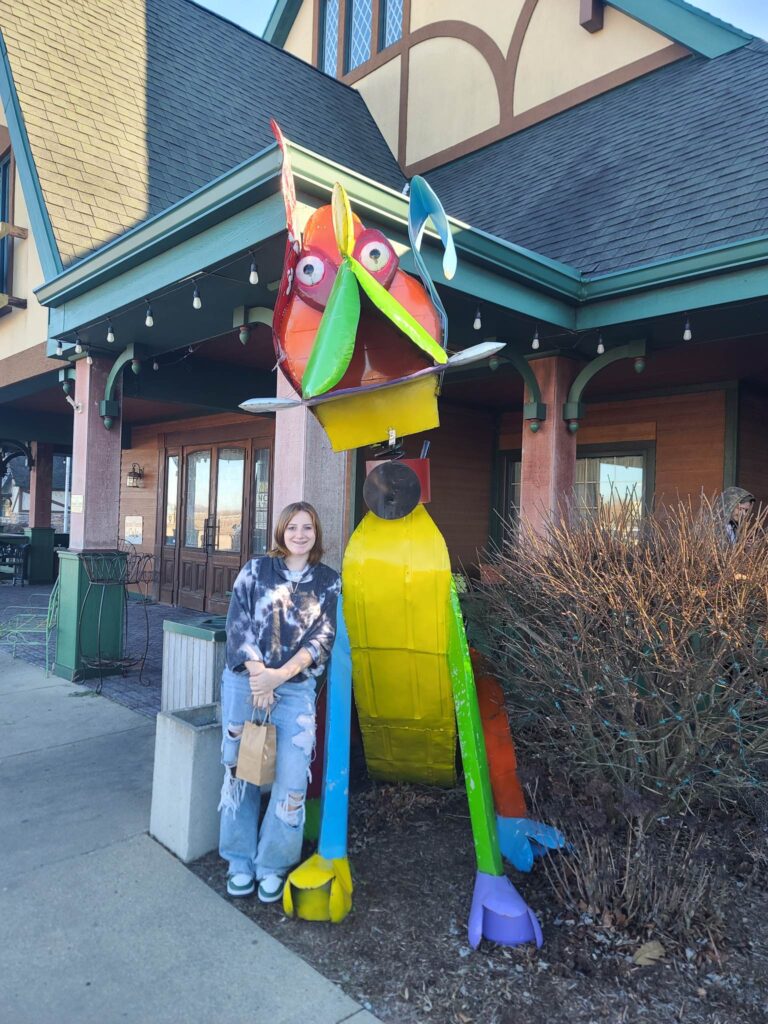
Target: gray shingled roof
[[674, 162], [212, 89]]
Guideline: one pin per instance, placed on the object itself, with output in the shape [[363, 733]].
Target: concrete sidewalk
[[99, 923]]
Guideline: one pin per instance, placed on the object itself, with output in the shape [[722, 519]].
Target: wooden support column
[[548, 466], [307, 469], [41, 484]]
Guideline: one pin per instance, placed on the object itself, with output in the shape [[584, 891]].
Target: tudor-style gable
[[444, 77]]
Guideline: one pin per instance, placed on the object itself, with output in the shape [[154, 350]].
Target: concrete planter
[[187, 781], [193, 660]]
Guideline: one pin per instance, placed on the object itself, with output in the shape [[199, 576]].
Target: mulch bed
[[403, 952]]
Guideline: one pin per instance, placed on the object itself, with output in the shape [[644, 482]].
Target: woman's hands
[[263, 683]]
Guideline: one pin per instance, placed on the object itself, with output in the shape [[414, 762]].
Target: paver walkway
[[98, 923], [142, 695]]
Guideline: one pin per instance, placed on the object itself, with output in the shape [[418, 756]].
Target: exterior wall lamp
[[135, 477]]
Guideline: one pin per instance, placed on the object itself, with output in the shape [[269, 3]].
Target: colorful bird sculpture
[[363, 344]]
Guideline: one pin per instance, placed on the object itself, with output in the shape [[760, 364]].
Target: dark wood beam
[[591, 15]]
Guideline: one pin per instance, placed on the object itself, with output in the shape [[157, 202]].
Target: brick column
[[307, 469], [90, 616], [41, 485], [548, 467], [95, 464]]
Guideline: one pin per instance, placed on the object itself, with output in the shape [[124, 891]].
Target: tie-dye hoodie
[[276, 617]]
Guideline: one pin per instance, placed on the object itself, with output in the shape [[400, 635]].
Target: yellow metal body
[[367, 417], [396, 579]]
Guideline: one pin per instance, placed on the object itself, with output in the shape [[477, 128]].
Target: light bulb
[[78, 346], [687, 332], [59, 348], [478, 323], [535, 343], [197, 302], [149, 320], [155, 365], [89, 359], [253, 277], [110, 333], [493, 364], [600, 345], [244, 335]]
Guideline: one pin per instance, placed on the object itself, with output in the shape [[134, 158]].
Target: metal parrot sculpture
[[364, 346]]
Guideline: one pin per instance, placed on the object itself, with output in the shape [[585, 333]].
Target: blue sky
[[751, 15]]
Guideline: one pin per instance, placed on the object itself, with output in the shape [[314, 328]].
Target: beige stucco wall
[[559, 55], [495, 17], [381, 91], [299, 41], [23, 328], [451, 95]]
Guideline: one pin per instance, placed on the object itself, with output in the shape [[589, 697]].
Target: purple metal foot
[[500, 913]]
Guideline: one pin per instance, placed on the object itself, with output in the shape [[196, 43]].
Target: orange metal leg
[[508, 796]]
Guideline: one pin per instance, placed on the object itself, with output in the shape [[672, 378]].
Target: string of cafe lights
[[149, 315]]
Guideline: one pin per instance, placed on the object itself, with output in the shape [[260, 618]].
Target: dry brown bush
[[635, 658]]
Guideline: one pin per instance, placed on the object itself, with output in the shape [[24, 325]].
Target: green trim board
[[281, 21], [685, 24], [42, 229], [714, 290]]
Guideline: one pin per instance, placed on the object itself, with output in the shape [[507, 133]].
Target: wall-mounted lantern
[[135, 477]]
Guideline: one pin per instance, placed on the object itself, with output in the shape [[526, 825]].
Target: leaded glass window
[[392, 22], [359, 32], [329, 37]]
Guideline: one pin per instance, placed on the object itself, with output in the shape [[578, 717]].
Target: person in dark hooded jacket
[[734, 506]]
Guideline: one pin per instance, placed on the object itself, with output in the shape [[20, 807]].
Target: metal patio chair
[[31, 625]]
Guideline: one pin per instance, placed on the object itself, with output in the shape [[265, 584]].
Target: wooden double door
[[216, 517]]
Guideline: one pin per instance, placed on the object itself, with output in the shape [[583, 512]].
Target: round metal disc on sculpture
[[391, 490]]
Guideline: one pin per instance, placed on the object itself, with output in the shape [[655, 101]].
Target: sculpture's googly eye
[[375, 256], [310, 270]]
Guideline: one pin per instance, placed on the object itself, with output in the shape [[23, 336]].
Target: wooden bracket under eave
[[591, 15], [11, 231], [9, 302]]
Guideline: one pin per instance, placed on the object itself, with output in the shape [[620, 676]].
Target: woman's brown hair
[[279, 550]]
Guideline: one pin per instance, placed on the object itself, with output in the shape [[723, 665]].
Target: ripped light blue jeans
[[276, 847]]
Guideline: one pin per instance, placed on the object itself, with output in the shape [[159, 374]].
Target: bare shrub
[[659, 883], [635, 658]]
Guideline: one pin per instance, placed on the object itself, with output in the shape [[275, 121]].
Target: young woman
[[280, 629]]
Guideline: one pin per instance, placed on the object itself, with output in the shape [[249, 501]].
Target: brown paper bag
[[258, 753]]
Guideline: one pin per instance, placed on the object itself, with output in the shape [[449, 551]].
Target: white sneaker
[[271, 888], [240, 885]]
